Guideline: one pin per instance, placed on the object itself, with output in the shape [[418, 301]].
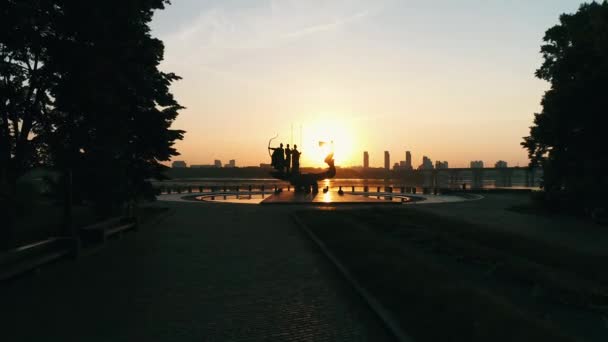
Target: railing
[[356, 189], [263, 189]]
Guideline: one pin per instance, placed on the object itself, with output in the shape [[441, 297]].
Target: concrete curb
[[385, 316]]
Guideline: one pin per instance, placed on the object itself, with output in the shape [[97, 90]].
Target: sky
[[451, 80]]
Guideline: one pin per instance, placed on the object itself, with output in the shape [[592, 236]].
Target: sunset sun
[[326, 136]]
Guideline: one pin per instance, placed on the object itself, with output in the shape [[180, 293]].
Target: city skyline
[[364, 75], [407, 163]]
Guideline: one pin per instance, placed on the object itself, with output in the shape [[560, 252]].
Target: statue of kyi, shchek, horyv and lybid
[[286, 164]]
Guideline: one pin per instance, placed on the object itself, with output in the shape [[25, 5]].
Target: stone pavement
[[207, 272]]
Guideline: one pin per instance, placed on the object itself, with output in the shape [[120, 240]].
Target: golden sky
[[452, 80]]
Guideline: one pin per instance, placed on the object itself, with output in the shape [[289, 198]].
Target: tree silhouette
[[25, 28], [568, 136], [113, 105], [80, 91]]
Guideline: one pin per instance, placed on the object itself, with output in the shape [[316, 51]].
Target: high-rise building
[[231, 163], [387, 160], [408, 160], [217, 163], [365, 160], [178, 164], [427, 163]]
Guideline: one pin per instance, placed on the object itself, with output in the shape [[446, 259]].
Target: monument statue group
[[287, 160], [286, 164]]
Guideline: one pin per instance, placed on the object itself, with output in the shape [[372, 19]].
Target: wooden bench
[[30, 257], [99, 232]]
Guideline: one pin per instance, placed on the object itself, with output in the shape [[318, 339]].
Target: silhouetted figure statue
[[295, 159], [278, 157], [287, 159], [305, 182]]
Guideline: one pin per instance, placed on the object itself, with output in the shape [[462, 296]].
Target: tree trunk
[[8, 194], [68, 224]]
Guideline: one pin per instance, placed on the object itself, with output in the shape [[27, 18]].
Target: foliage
[[80, 91], [113, 105], [25, 29], [567, 136]]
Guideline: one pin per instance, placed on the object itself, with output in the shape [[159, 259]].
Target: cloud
[[328, 26], [225, 36], [226, 27]]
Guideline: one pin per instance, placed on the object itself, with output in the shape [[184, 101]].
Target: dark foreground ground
[[475, 271], [470, 271], [204, 273]]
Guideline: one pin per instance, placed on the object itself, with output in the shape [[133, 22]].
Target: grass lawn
[[446, 280]]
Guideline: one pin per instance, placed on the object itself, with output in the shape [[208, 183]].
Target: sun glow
[[326, 136]]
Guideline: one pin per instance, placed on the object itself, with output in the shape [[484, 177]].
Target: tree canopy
[[114, 108], [25, 31], [568, 135], [81, 91]]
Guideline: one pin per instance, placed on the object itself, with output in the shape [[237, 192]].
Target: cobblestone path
[[213, 272]]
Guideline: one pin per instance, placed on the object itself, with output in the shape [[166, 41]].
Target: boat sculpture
[[307, 182]]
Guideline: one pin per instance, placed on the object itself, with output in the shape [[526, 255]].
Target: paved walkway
[[214, 272]]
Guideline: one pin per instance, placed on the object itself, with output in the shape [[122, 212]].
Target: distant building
[[231, 163], [365, 160], [387, 160], [265, 166], [404, 164], [202, 166], [400, 166], [427, 164], [477, 164], [500, 164], [178, 164], [441, 164], [217, 163]]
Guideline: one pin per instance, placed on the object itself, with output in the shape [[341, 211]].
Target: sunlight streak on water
[[327, 197]]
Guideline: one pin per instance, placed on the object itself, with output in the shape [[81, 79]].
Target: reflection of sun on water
[[327, 197]]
